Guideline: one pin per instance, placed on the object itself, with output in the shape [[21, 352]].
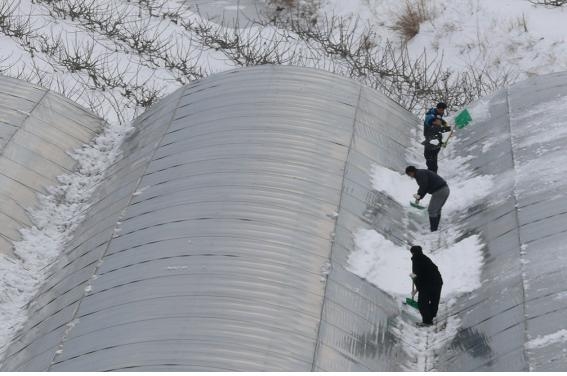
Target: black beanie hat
[[415, 249]]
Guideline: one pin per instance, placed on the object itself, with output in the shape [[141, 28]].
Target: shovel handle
[[447, 140], [413, 289]]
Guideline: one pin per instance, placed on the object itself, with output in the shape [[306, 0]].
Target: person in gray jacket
[[436, 186]]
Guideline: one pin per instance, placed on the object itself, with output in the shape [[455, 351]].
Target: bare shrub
[[139, 30], [349, 48], [138, 35], [14, 26], [409, 21]]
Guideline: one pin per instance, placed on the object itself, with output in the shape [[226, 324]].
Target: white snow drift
[[58, 214], [388, 266]]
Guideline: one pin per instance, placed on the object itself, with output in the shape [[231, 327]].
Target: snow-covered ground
[[113, 57], [496, 41], [505, 36], [117, 57]]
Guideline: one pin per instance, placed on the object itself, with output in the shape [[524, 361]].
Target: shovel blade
[[412, 303], [463, 119], [417, 206]]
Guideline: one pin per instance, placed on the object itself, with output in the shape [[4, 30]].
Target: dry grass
[[410, 19], [519, 23]]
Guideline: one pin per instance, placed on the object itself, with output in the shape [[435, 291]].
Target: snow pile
[[388, 266], [547, 340], [466, 193], [466, 190], [381, 262], [56, 217], [397, 185]]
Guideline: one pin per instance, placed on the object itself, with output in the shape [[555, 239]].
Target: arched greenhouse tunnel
[[220, 240]]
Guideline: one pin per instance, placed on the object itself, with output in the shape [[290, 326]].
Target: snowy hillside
[[119, 57], [514, 37]]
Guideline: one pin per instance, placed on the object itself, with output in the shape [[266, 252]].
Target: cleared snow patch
[[467, 189], [541, 129], [540, 124], [460, 265], [465, 193]]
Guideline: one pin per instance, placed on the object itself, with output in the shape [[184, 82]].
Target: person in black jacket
[[433, 143], [436, 186], [428, 282]]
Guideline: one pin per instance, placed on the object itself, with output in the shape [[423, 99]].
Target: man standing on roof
[[433, 142], [428, 282], [436, 186], [434, 113], [433, 128]]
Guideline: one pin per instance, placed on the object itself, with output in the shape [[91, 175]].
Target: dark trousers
[[428, 302], [431, 158], [438, 199]]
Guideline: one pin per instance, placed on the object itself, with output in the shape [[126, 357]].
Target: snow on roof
[[221, 238], [37, 131], [524, 224]]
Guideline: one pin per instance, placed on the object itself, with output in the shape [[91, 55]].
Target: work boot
[[434, 223], [437, 220], [432, 226]]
